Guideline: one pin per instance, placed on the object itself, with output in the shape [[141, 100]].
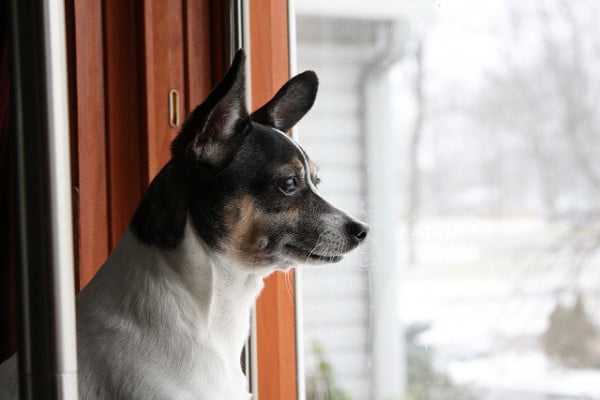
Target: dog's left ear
[[290, 103], [213, 131]]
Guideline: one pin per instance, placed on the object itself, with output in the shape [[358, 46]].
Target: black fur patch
[[160, 218]]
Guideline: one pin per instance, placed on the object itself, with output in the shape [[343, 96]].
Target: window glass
[[466, 134]]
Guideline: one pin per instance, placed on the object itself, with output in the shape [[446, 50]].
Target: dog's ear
[[213, 131], [290, 103]]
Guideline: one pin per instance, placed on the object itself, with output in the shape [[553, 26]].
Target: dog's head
[[249, 190]]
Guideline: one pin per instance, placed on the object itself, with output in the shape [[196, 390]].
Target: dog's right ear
[[213, 131], [290, 103]]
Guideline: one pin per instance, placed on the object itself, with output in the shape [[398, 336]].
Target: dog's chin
[[298, 254]]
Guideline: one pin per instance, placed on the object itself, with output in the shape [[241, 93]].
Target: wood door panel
[[164, 71], [198, 53], [125, 127], [89, 126]]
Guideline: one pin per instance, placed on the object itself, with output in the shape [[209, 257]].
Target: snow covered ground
[[487, 286]]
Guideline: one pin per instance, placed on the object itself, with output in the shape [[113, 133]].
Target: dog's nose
[[357, 230]]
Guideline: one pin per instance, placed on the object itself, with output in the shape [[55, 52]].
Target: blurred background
[[466, 133]]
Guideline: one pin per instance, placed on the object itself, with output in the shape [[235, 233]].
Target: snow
[[528, 372], [479, 283]]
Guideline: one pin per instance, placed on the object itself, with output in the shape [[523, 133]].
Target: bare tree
[[566, 64], [549, 101], [413, 151]]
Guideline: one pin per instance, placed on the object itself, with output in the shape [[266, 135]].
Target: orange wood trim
[[88, 111], [275, 312], [269, 48], [126, 155], [198, 60], [164, 63], [220, 38], [276, 338]]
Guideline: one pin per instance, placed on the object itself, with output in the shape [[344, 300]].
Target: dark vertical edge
[[8, 278], [72, 76], [142, 90]]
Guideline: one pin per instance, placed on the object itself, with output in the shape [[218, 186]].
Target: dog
[[167, 315]]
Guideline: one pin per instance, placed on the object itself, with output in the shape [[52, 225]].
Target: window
[[466, 134]]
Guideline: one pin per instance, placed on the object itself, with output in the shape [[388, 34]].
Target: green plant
[[424, 381], [320, 384]]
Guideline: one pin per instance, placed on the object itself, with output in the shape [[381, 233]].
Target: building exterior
[[350, 309]]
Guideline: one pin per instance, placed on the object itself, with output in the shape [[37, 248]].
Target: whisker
[[310, 253]]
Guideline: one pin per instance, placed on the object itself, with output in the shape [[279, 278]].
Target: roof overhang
[[410, 10]]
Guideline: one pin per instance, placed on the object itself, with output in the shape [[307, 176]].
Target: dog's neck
[[190, 293], [222, 289]]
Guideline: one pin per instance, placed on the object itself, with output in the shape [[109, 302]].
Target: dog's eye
[[317, 180], [288, 186]]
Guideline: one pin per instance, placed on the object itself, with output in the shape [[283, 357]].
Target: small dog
[[167, 315]]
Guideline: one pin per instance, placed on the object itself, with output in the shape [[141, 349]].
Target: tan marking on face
[[297, 166], [248, 230], [239, 216]]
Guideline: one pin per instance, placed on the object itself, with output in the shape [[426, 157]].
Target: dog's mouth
[[305, 256]]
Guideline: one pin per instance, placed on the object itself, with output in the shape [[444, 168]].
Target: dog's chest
[[147, 330]]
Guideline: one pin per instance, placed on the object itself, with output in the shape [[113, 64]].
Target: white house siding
[[336, 307]]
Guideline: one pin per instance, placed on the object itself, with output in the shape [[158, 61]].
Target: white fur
[[156, 324]]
